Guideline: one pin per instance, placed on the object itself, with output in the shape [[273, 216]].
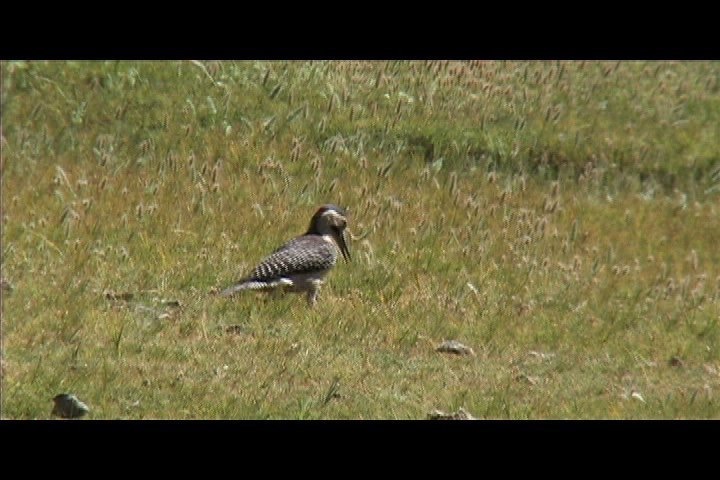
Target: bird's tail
[[231, 290], [254, 285], [238, 287]]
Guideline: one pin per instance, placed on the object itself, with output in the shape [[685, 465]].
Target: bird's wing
[[309, 253]]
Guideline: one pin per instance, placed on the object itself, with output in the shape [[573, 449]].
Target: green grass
[[560, 218]]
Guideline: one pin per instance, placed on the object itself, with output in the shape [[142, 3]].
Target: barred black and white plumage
[[301, 264]]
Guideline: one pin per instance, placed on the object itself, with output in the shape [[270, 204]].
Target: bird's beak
[[343, 245]]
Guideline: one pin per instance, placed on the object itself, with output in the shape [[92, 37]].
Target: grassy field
[[562, 219]]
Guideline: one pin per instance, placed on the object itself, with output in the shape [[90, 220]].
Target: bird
[[301, 264]]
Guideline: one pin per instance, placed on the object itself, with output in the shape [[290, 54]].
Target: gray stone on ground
[[69, 406], [453, 346]]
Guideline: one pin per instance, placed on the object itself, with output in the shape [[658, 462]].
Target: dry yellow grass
[[560, 219]]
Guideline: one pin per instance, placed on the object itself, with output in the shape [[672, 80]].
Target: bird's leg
[[313, 294]]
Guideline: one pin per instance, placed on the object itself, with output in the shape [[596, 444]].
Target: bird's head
[[331, 220]]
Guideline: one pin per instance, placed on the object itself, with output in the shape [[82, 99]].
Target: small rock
[[126, 296], [68, 406], [145, 310], [676, 362], [78, 366], [541, 355], [461, 414], [5, 285], [637, 396], [236, 329], [453, 346], [530, 380]]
